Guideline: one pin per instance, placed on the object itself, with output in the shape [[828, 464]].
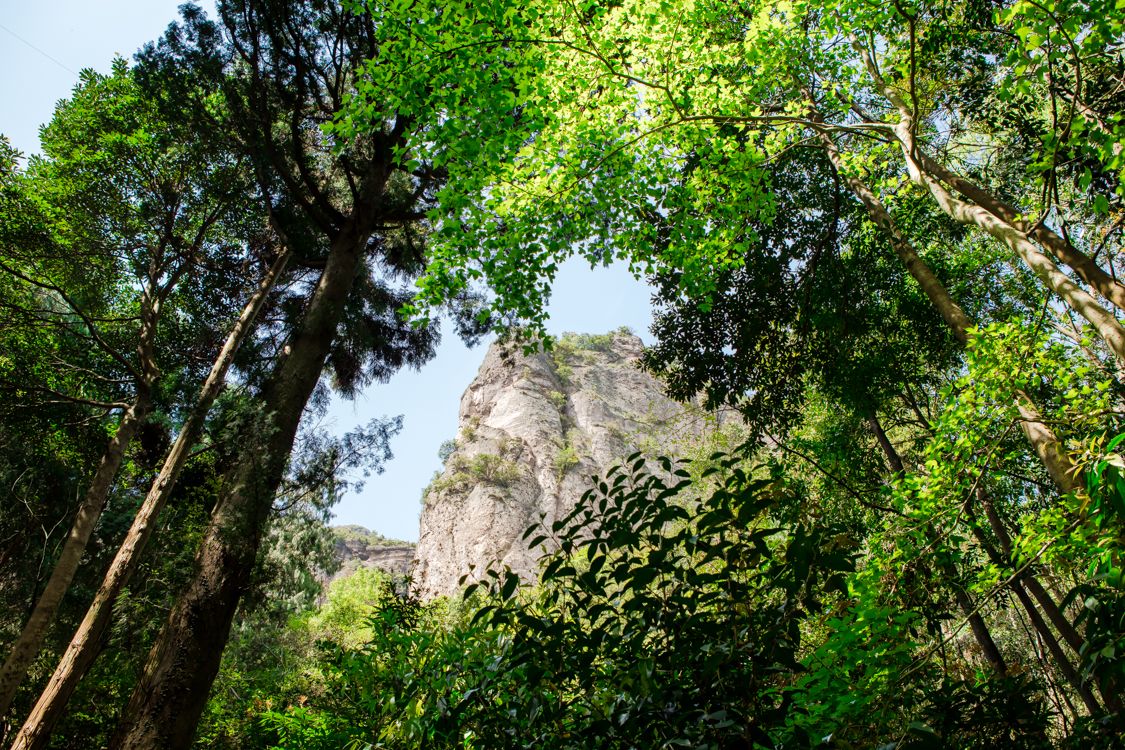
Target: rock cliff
[[357, 547], [532, 431]]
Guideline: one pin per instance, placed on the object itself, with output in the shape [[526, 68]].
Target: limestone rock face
[[393, 560], [357, 547], [532, 431]]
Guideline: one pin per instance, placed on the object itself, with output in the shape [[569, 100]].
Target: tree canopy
[[886, 235]]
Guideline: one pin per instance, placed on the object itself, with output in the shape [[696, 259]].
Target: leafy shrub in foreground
[[661, 621]]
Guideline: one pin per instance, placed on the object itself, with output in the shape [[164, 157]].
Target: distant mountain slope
[[358, 547]]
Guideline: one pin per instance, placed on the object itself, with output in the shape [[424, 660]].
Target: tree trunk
[[1042, 439], [1089, 271], [31, 637], [893, 458], [977, 624], [84, 645], [1046, 444], [1107, 326], [980, 629], [1052, 643], [167, 702], [949, 310]]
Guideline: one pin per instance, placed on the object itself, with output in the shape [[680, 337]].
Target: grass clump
[[483, 467]]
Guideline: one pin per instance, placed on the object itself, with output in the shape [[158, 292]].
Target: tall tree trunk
[[1065, 628], [1089, 271], [84, 645], [46, 607], [1041, 437], [1018, 587], [1107, 326], [1046, 601], [170, 696]]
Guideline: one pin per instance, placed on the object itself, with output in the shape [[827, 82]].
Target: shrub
[[447, 449], [655, 640], [493, 469], [596, 342], [483, 467], [566, 457], [558, 398]]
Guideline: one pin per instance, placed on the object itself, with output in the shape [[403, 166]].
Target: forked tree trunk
[[1084, 266], [170, 696], [84, 645], [1105, 324], [950, 311], [974, 214]]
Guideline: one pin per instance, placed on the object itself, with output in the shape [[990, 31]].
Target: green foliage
[[354, 532], [1101, 599], [837, 583], [493, 469], [654, 639], [564, 371], [349, 604], [589, 341], [561, 354], [447, 449], [487, 468], [558, 398], [569, 348], [566, 457], [469, 430], [271, 663]]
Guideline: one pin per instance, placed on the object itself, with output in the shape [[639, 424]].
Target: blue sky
[[44, 44]]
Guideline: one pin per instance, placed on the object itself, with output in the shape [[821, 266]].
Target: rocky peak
[[532, 430]]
